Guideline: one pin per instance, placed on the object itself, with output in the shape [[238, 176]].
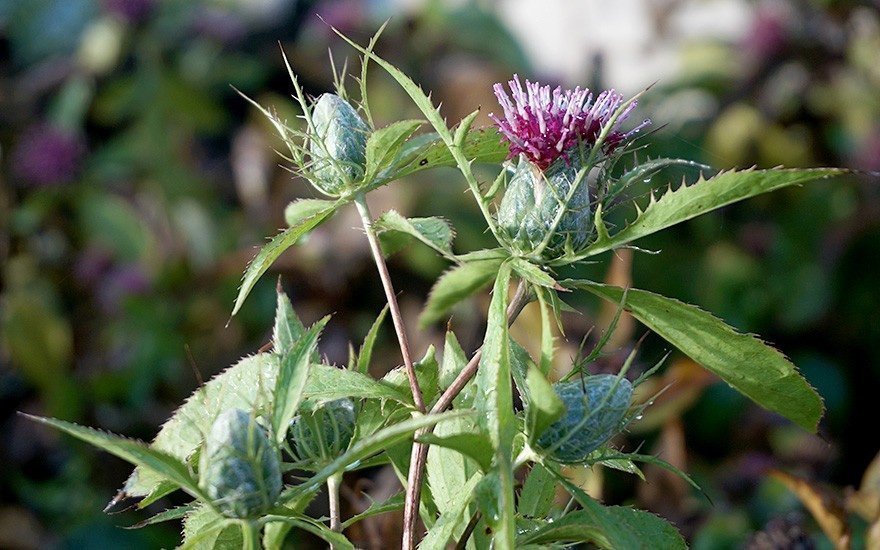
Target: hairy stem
[[419, 453], [367, 220]]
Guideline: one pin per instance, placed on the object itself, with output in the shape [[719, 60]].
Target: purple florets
[[544, 125]]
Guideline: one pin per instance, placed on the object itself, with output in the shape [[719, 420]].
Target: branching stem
[[419, 453]]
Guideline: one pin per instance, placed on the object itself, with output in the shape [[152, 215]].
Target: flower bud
[[324, 433], [595, 409], [239, 469], [533, 200], [338, 148]]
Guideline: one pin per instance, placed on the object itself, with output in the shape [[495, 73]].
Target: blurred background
[[136, 183]]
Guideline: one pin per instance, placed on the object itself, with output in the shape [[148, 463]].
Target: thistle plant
[[563, 159]]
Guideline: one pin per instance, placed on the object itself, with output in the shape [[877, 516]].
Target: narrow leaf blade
[[494, 402], [394, 230], [292, 379], [749, 365], [270, 252], [690, 201], [135, 452], [455, 285]]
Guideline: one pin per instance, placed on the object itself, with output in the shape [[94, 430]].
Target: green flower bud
[[595, 409], [532, 201], [239, 469], [338, 149], [324, 433]]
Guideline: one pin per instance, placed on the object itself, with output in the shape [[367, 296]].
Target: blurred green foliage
[[136, 183]]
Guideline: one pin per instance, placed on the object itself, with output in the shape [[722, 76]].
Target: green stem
[[333, 483], [250, 534]]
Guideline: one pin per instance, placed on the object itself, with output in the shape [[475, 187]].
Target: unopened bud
[[338, 148], [595, 411], [324, 433], [239, 469], [533, 201]]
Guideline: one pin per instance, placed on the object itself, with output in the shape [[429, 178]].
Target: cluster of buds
[[559, 136]]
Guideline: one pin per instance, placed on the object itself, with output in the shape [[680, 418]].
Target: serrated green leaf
[[395, 232], [538, 493], [464, 154], [749, 365], [391, 504], [366, 352], [367, 447], [532, 273], [399, 455], [455, 285], [246, 385], [690, 201], [270, 252], [274, 534], [570, 528], [464, 127], [336, 540], [454, 360], [547, 344], [376, 413], [623, 527], [447, 471], [544, 407], [384, 144], [327, 383], [622, 465], [287, 329], [486, 254], [178, 512], [301, 210], [292, 378], [427, 373], [205, 529], [451, 518], [520, 364], [643, 171], [162, 464], [427, 151], [494, 402], [473, 445], [648, 459]]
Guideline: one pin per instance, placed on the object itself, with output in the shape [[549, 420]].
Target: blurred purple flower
[[130, 11], [221, 25], [91, 265], [768, 34], [544, 125], [120, 283], [347, 16], [45, 156], [867, 155]]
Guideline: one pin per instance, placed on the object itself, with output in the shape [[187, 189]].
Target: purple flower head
[[545, 124]]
